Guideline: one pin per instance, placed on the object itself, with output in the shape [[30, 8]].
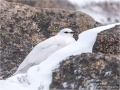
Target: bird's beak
[[72, 32]]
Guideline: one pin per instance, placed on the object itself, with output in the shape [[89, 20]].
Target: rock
[[23, 26], [108, 41], [63, 4], [98, 70], [86, 70]]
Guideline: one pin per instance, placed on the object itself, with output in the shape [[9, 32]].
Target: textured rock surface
[[92, 71], [87, 69], [23, 26], [63, 4], [108, 41]]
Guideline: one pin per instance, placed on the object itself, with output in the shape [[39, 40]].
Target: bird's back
[[43, 50]]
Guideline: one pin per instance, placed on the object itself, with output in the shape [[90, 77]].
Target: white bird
[[44, 49]]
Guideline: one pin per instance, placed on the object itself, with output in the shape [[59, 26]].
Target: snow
[[77, 71], [96, 14], [92, 85], [72, 85], [64, 84], [103, 13], [108, 73], [78, 77], [83, 2], [39, 77]]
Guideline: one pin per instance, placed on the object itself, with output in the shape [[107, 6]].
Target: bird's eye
[[69, 32], [66, 32]]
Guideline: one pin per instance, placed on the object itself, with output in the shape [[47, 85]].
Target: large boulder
[[63, 4], [92, 71], [88, 71], [23, 26], [108, 41]]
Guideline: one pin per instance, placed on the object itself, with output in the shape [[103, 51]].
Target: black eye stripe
[[69, 32], [65, 32]]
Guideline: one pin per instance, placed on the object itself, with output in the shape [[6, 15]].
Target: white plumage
[[44, 49]]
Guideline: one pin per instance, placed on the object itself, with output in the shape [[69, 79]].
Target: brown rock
[[63, 4], [108, 41], [86, 70], [23, 26]]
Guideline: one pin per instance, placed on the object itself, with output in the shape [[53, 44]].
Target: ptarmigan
[[44, 49]]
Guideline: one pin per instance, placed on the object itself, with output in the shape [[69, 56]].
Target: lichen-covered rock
[[23, 26], [88, 70], [108, 41], [63, 4]]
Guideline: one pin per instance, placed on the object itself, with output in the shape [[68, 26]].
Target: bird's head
[[66, 32]]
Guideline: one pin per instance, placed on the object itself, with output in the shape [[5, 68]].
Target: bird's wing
[[26, 68], [41, 51], [47, 44]]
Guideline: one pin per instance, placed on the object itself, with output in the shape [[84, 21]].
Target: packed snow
[[108, 73], [44, 49], [39, 77]]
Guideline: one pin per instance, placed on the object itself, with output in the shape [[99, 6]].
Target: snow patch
[[108, 73], [65, 85]]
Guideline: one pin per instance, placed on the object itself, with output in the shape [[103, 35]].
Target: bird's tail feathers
[[24, 70]]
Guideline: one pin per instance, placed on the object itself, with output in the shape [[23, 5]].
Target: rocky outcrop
[[63, 4], [23, 26], [88, 71], [108, 41], [92, 71]]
